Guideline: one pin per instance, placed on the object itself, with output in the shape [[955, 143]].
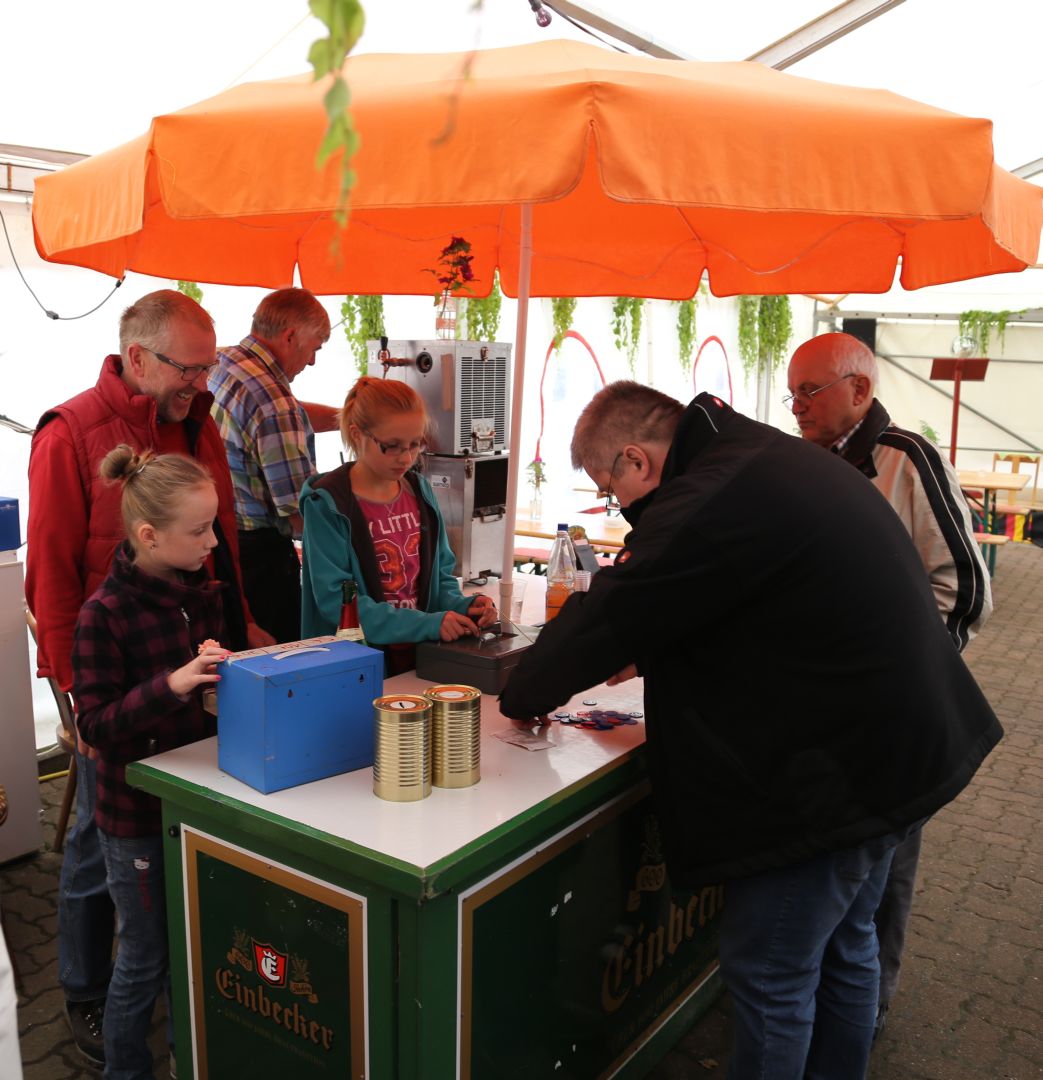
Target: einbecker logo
[[271, 965]]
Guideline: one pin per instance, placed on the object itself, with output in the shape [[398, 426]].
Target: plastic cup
[[517, 598], [581, 581]]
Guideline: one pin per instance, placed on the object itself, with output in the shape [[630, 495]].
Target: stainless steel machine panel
[[472, 495], [465, 386]]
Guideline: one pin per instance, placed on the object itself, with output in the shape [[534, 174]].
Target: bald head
[[832, 378]]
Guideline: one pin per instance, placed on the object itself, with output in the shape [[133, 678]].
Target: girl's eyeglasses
[[397, 449]]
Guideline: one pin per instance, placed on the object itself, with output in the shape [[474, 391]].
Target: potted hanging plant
[[482, 313], [190, 289], [765, 329], [563, 310], [453, 274], [363, 321], [626, 326], [977, 327], [686, 332]]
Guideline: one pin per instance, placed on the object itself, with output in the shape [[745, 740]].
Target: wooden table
[[988, 483], [602, 535]]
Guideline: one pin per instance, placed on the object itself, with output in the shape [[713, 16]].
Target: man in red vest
[[152, 395]]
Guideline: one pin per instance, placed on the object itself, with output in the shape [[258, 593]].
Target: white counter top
[[514, 781]]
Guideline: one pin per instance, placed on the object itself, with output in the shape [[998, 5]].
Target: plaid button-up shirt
[[130, 635], [268, 437]]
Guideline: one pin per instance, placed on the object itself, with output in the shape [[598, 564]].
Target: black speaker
[[863, 329]]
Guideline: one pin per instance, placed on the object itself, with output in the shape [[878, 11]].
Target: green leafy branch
[[686, 332], [537, 471], [363, 321], [626, 326], [978, 327], [765, 330], [563, 311], [190, 289], [482, 313], [344, 19]]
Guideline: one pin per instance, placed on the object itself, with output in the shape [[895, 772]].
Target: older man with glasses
[[832, 380], [151, 396], [270, 442]]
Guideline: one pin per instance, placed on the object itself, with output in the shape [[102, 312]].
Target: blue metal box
[[10, 533], [297, 712]]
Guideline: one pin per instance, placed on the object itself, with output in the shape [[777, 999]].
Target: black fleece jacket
[[801, 693]]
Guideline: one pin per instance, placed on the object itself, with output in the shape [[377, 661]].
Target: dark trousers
[[892, 916], [272, 581]]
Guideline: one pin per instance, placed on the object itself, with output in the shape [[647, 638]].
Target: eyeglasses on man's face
[[608, 489], [397, 449], [804, 395], [189, 372]]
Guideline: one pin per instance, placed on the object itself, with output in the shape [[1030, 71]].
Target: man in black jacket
[[801, 693]]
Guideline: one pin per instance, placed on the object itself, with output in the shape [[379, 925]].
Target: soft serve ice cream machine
[[466, 389]]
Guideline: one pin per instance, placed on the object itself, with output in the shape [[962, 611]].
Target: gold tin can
[[402, 747], [456, 728]]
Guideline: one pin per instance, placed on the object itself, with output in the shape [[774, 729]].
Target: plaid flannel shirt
[[130, 635], [267, 435]]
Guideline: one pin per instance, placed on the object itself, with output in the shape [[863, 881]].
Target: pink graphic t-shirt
[[394, 528]]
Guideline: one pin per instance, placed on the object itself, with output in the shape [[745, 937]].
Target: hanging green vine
[[686, 332], [482, 313], [978, 327], [749, 308], [626, 326], [363, 321], [345, 20], [190, 289], [765, 329], [563, 310]]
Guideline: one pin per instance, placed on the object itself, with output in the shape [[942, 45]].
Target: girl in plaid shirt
[[139, 664]]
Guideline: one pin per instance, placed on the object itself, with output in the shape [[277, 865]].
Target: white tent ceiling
[[82, 77]]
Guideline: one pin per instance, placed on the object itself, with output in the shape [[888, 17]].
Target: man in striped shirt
[[832, 379], [269, 439]]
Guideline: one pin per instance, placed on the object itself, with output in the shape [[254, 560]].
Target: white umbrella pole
[[514, 459]]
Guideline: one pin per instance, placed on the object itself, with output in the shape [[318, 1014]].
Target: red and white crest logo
[[271, 965]]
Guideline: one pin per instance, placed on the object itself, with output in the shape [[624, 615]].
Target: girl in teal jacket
[[375, 520]]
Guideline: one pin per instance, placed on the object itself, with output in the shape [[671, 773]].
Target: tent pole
[[514, 458]]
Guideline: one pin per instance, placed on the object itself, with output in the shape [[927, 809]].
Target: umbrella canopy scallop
[[641, 175]]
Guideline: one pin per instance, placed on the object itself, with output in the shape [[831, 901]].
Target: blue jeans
[[85, 915], [892, 917], [135, 876], [799, 955]]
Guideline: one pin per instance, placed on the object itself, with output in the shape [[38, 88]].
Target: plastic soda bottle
[[561, 572], [350, 627]]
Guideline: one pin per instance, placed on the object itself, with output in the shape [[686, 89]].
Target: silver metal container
[[465, 386], [402, 747]]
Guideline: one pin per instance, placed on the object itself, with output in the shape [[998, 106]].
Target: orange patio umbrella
[[641, 174], [575, 170]]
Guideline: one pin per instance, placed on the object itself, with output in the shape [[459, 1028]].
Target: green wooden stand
[[550, 946]]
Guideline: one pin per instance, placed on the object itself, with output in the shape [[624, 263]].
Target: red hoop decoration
[[727, 364], [546, 360]]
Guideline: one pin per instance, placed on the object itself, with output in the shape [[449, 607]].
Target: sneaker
[[85, 1019]]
